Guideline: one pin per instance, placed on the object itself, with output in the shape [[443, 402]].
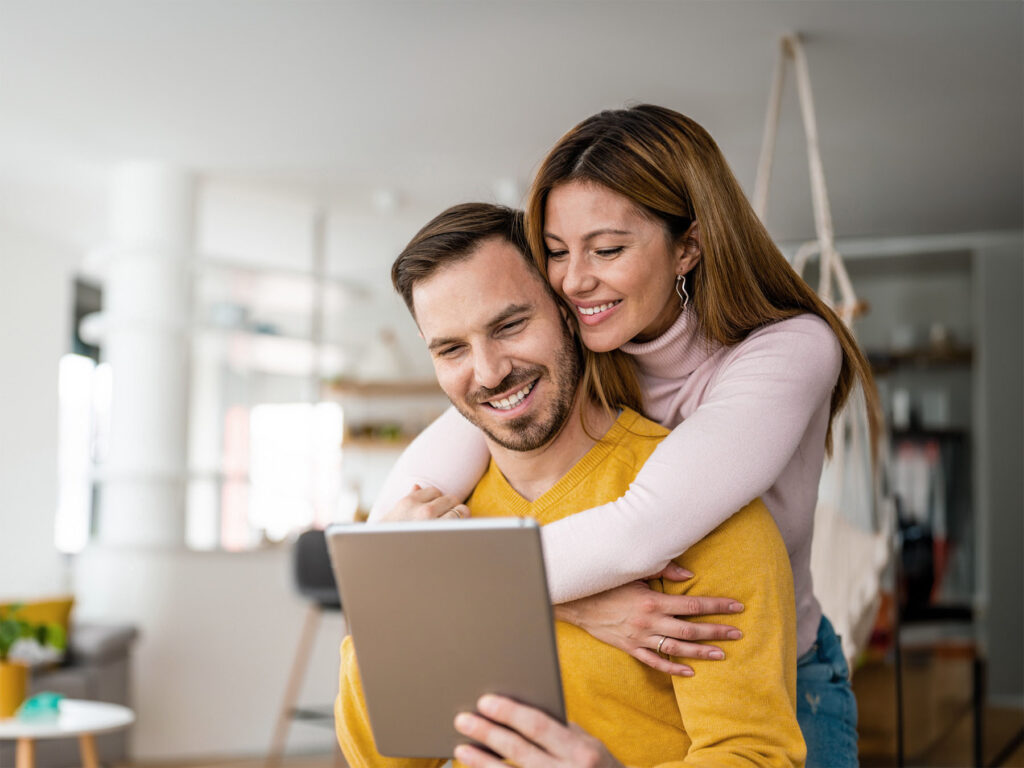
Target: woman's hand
[[646, 624], [526, 737], [426, 504]]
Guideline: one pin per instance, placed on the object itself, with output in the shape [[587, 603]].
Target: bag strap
[[833, 270]]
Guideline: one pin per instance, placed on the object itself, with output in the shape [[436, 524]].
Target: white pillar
[[146, 311]]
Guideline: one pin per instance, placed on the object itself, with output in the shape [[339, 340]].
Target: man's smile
[[511, 401]]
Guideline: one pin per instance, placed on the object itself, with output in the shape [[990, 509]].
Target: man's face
[[501, 349]]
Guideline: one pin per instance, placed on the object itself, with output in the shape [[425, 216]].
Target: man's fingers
[[669, 667], [476, 758], [693, 605], [504, 741], [544, 731]]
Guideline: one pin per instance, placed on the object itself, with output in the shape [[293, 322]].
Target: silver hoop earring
[[684, 297]]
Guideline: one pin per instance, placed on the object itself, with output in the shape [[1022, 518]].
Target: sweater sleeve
[[352, 723], [741, 711], [730, 450], [451, 455]]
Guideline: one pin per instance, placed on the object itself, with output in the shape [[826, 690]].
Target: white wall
[[218, 633], [35, 330]]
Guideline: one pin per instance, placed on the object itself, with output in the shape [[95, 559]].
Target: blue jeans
[[825, 706]]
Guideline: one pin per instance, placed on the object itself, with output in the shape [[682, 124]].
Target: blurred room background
[[203, 356]]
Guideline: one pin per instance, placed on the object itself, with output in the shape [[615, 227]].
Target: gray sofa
[[98, 668]]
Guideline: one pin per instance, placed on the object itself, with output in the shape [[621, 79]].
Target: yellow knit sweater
[[740, 711]]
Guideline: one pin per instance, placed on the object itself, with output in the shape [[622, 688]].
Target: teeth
[[507, 403], [596, 310]]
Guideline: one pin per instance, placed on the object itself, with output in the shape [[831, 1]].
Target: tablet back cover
[[440, 613]]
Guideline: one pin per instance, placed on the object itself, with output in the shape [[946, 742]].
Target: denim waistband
[[827, 650]]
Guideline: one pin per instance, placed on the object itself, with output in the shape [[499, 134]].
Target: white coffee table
[[83, 719]]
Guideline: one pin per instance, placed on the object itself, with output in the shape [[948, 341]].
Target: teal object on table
[[42, 706]]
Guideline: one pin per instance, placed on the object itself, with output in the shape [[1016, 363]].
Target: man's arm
[[352, 723], [742, 711], [737, 712]]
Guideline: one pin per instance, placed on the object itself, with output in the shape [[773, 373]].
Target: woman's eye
[[556, 255], [609, 251]]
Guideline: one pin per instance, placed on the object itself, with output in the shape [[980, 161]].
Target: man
[[505, 355]]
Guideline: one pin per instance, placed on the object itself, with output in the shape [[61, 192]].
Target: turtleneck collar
[[676, 353]]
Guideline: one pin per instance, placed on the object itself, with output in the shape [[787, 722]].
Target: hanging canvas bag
[[853, 521]]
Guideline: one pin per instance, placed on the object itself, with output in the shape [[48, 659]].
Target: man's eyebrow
[[440, 342], [510, 311], [591, 235]]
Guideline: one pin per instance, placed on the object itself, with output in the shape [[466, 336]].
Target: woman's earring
[[684, 297]]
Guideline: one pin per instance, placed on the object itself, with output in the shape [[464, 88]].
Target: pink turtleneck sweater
[[747, 421]]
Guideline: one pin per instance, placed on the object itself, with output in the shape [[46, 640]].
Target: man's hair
[[453, 236]]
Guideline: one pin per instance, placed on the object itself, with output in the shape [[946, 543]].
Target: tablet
[[440, 613]]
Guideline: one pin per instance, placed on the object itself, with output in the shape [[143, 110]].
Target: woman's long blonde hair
[[670, 167]]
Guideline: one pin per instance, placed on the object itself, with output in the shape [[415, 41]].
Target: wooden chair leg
[[87, 749], [25, 756], [291, 691]]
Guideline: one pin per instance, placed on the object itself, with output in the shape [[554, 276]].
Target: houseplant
[[13, 675]]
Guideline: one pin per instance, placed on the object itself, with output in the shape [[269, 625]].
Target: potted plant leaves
[[13, 674]]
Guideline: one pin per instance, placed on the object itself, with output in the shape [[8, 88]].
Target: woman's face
[[613, 263]]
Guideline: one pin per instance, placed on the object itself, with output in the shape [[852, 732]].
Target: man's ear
[[688, 249]]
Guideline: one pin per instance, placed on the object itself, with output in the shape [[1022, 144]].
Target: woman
[[641, 228]]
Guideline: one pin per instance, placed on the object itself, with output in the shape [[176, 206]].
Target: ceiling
[[920, 104]]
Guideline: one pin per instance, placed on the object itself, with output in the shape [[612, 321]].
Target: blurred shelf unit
[[925, 358], [944, 339], [248, 284], [919, 337], [340, 389], [273, 319], [385, 415], [266, 351], [373, 443], [264, 451], [920, 341]]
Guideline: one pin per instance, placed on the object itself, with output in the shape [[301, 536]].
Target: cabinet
[[944, 335]]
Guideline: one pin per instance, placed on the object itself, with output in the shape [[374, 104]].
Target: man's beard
[[531, 430]]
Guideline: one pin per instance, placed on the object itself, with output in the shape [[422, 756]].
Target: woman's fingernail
[[717, 655], [735, 607], [463, 721], [685, 573], [734, 634], [687, 673]]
